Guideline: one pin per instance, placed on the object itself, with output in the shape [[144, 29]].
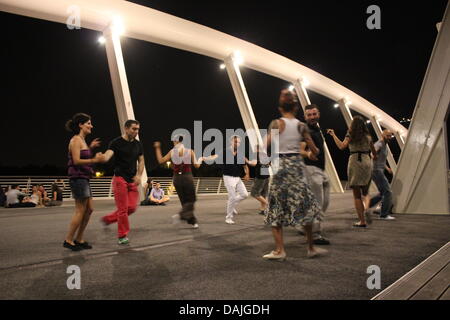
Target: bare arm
[[196, 163], [310, 143], [274, 125], [159, 157], [303, 151], [108, 155], [247, 173], [152, 198], [340, 144], [213, 157], [374, 152], [252, 163], [75, 150]]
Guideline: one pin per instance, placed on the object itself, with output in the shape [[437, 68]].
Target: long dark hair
[[73, 124], [358, 129]]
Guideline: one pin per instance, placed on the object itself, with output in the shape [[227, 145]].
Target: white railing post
[[220, 185], [330, 169], [121, 90], [198, 185]]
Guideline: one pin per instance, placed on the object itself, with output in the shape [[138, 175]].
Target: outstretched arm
[[310, 143], [340, 144], [75, 150], [196, 163], [158, 152]]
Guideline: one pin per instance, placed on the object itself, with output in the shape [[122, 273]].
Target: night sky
[[48, 72]]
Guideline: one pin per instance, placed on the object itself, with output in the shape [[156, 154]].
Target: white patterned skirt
[[291, 201]]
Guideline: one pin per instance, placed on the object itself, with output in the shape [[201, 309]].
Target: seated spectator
[[12, 198], [44, 198], [148, 187], [156, 196], [34, 198], [57, 193]]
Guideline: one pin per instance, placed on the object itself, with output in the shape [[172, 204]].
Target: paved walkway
[[217, 261]]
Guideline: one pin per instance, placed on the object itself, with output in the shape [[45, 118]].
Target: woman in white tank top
[[291, 201]]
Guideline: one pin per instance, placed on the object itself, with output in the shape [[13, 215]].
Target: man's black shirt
[[232, 168], [126, 155], [317, 137]]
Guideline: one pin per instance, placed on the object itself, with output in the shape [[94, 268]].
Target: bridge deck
[[430, 280], [217, 261]]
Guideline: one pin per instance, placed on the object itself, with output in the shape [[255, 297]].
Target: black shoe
[[358, 225], [321, 241], [262, 212], [83, 245], [71, 247]]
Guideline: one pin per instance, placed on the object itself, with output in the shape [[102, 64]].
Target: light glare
[[117, 26], [237, 57]]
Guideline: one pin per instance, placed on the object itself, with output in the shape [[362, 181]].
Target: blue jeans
[[385, 195]]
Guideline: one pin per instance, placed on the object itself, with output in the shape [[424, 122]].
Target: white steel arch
[[147, 24]]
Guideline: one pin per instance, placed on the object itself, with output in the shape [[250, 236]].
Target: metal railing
[[102, 187]]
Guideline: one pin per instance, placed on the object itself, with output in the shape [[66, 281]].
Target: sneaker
[[124, 240], [229, 221], [176, 219], [388, 217], [316, 252], [321, 241], [71, 246], [195, 226], [83, 245], [274, 256]]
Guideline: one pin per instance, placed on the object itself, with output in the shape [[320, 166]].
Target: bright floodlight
[[291, 88], [237, 57], [101, 40], [336, 105], [368, 121], [117, 26], [222, 66]]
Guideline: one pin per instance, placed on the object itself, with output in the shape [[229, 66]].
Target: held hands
[[246, 177], [99, 157], [95, 143]]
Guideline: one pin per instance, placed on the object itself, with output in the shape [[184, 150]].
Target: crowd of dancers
[[296, 194]]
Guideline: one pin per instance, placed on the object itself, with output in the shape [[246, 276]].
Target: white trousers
[[236, 193]]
